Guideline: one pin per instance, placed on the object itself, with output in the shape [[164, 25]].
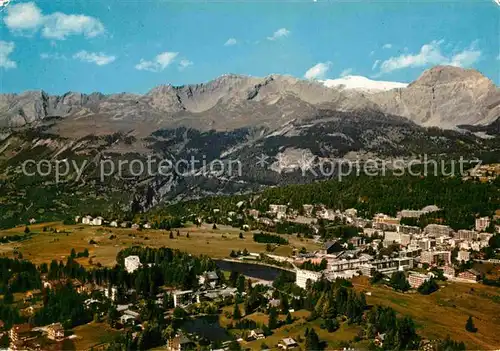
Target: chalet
[[131, 313], [379, 340], [113, 224], [256, 334], [210, 278], [19, 332], [180, 343], [55, 332], [471, 275], [86, 288], [77, 284], [147, 225], [135, 226], [127, 320], [288, 344], [356, 241]]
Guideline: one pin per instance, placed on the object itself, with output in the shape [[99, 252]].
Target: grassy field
[[436, 316], [446, 311], [217, 243], [90, 335], [295, 330]]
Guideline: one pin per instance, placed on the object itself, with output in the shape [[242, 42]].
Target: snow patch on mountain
[[362, 84]]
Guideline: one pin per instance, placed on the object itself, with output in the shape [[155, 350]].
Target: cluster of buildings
[[99, 221], [25, 336], [485, 173], [412, 247]]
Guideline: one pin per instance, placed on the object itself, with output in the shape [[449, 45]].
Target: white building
[[351, 212], [482, 223], [463, 256], [302, 276], [110, 293], [96, 221], [113, 224], [392, 236], [132, 263], [417, 279], [87, 220], [465, 234], [437, 230]]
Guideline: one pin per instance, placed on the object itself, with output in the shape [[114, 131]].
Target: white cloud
[[230, 42], [280, 33], [6, 49], [55, 56], [346, 72], [387, 46], [98, 58], [375, 65], [431, 54], [23, 17], [60, 25], [372, 52], [318, 71], [498, 57], [466, 58], [159, 63], [184, 64], [27, 18]]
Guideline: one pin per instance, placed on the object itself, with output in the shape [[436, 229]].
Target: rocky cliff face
[[443, 96]]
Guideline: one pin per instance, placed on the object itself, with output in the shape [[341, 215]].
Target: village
[[382, 246]]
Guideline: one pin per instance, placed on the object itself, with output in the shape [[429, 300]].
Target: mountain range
[[443, 96], [299, 126]]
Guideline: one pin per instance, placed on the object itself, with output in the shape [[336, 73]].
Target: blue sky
[[115, 46]]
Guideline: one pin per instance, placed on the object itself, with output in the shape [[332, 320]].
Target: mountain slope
[[444, 96]]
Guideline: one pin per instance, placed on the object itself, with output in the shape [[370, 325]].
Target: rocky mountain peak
[[447, 75]]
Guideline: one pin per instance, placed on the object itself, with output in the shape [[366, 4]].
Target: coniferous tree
[[284, 306], [469, 325], [399, 281], [8, 297], [241, 284], [236, 312], [273, 318], [312, 341]]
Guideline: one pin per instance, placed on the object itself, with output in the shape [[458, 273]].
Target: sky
[[132, 46]]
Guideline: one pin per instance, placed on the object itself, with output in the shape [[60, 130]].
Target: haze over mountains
[[443, 96]]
